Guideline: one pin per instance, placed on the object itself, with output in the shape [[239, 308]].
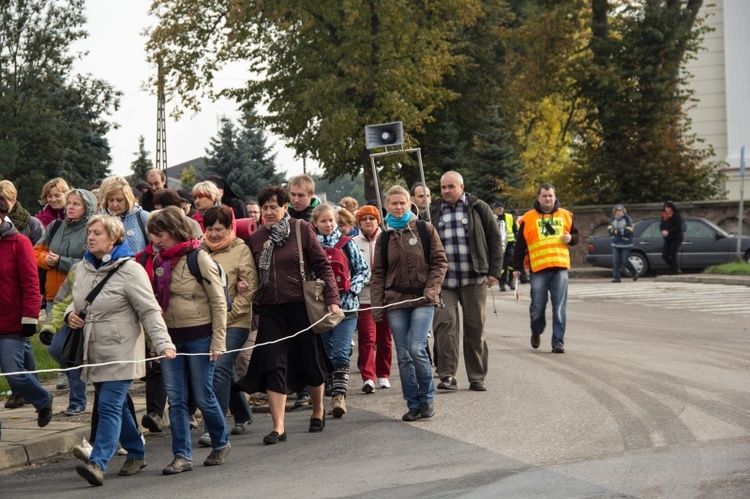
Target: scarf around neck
[[19, 216], [278, 236], [398, 223], [330, 240], [228, 239], [163, 264]]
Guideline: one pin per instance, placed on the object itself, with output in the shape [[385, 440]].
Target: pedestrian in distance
[[621, 229], [544, 234], [672, 229]]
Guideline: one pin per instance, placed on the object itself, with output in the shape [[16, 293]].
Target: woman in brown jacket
[[292, 362], [409, 278]]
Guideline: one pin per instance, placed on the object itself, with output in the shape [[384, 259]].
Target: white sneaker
[[384, 383], [83, 451], [205, 440], [121, 450], [368, 386], [143, 439]]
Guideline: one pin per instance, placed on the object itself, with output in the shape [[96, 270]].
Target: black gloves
[[46, 336], [28, 330]]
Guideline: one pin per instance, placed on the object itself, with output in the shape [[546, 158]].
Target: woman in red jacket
[[19, 301]]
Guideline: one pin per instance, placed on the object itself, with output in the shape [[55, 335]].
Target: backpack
[[340, 265], [192, 262], [423, 236]]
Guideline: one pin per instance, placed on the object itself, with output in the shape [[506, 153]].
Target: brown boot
[[338, 406]]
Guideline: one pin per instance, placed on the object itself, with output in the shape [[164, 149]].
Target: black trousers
[[669, 253]]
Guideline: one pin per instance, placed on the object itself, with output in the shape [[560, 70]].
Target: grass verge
[[733, 268], [43, 361]]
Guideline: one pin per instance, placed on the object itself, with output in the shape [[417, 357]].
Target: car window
[[652, 230], [699, 230]]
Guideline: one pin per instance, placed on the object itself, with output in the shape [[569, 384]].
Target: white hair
[[455, 174]]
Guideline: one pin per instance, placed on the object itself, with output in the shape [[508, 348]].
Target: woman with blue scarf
[[111, 326], [351, 277], [407, 279], [116, 198]]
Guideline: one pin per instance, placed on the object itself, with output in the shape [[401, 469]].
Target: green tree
[[242, 158], [326, 69], [54, 122], [341, 187], [187, 177], [640, 148], [142, 163]]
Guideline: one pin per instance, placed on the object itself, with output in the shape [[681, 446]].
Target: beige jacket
[[113, 322], [192, 304], [239, 265]]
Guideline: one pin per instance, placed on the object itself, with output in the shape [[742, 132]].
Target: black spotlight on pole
[[384, 135]]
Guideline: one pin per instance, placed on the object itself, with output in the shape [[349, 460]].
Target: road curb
[[40, 448], [731, 280]]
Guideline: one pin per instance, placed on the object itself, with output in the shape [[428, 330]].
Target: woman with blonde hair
[[349, 203], [347, 223], [111, 326], [205, 195], [409, 275], [53, 201], [116, 198]]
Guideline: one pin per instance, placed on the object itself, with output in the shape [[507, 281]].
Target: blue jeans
[[620, 257], [338, 341], [224, 377], [554, 282], [13, 358], [194, 374], [410, 327], [77, 395], [116, 424]]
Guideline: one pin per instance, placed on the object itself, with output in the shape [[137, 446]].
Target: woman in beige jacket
[[223, 245], [195, 310], [112, 332]]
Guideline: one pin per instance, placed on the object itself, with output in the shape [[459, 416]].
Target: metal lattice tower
[[161, 125]]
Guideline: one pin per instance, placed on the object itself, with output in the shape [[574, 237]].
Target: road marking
[[709, 298]]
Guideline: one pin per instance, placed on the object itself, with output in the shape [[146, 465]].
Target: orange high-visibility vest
[[546, 250]]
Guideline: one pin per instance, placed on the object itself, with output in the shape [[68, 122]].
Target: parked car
[[704, 244]]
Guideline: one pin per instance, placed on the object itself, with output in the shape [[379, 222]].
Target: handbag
[[72, 349], [315, 301]]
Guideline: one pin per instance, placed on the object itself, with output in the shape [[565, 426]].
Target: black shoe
[[502, 287], [427, 410], [558, 349], [616, 280], [635, 276], [152, 422], [44, 415], [317, 425], [536, 340], [412, 415], [478, 386], [274, 438], [448, 383]]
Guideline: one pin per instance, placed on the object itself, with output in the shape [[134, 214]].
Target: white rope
[[101, 364]]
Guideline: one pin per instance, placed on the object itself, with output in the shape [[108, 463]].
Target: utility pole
[[161, 125]]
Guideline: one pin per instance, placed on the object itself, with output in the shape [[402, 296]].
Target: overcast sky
[[116, 53]]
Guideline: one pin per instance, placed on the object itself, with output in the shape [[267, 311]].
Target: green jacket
[[485, 244]]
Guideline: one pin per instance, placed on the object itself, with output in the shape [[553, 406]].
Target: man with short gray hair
[[472, 243]]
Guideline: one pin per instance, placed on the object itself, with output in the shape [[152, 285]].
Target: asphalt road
[[651, 399]]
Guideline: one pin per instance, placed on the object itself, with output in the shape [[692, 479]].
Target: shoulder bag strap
[[299, 250], [95, 292]]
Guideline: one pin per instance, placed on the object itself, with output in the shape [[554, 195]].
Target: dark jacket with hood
[[673, 224], [305, 214], [229, 198]]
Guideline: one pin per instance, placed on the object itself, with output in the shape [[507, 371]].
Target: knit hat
[[369, 210]]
